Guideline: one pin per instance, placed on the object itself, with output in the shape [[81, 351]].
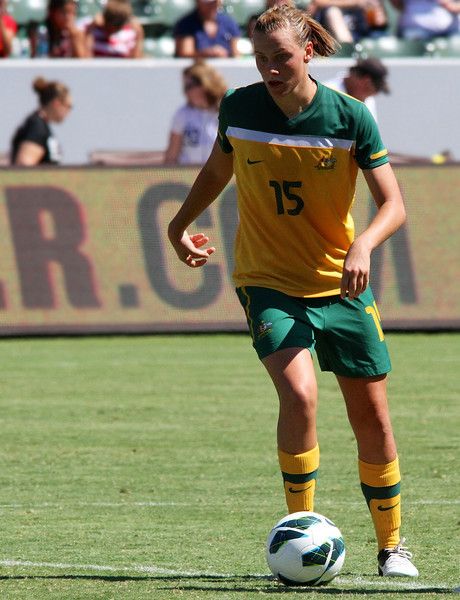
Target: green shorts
[[346, 334]]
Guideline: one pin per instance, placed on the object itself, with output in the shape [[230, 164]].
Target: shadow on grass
[[238, 584]]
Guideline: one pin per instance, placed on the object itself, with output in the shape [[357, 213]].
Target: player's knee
[[300, 398]]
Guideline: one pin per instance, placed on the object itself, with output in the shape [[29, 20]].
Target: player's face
[[281, 61], [59, 108]]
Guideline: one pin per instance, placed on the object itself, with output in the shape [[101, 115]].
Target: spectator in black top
[[33, 142]]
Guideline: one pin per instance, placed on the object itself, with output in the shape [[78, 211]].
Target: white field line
[[153, 504], [436, 502], [153, 570], [105, 568], [145, 504]]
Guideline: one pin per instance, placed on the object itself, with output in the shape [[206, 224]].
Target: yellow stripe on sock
[[379, 475]]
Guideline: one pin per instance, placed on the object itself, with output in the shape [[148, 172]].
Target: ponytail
[[47, 91], [304, 27], [323, 42]]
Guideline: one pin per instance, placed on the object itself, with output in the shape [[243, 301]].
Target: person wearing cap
[[363, 81], [206, 32]]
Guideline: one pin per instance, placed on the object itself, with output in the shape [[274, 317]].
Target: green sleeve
[[370, 151], [224, 122]]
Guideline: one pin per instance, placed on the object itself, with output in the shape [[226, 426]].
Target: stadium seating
[[161, 12], [243, 10], [162, 47], [445, 47], [391, 47], [24, 11], [159, 16], [89, 8], [346, 50]]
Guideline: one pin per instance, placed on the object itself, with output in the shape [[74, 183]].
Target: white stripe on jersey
[[288, 140]]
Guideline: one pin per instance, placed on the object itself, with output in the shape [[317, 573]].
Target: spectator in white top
[[194, 125], [426, 19], [363, 81]]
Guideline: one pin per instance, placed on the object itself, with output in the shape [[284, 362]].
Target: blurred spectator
[[115, 33], [63, 38], [377, 18], [426, 19], [206, 32], [33, 142], [349, 20], [268, 4], [8, 29], [194, 125], [363, 81]]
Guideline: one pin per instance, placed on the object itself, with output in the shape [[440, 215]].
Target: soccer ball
[[305, 548]]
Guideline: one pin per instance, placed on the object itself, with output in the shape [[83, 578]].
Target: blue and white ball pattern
[[305, 548]]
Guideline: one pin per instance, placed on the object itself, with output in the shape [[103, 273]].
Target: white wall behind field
[[128, 105]]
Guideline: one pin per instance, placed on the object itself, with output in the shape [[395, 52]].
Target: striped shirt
[[120, 44]]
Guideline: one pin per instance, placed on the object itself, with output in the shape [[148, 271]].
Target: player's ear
[[309, 51]]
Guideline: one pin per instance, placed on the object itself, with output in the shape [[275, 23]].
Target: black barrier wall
[[85, 251]]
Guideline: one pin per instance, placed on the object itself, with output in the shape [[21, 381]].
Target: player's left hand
[[356, 268]]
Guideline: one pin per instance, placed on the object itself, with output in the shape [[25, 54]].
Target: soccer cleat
[[395, 562]]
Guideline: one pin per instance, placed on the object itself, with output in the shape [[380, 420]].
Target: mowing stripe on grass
[[153, 504], [153, 570]]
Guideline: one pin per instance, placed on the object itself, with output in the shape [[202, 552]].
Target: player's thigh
[[276, 321], [352, 343], [293, 375], [365, 400]]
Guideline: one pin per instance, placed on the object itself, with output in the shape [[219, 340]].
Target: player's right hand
[[190, 249]]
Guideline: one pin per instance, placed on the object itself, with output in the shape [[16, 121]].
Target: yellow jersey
[[296, 180]]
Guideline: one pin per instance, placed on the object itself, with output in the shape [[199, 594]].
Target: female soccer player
[[295, 147]]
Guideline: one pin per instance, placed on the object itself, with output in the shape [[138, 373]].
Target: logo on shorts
[[327, 163], [264, 329]]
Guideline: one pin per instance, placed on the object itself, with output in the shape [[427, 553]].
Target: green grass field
[[145, 467]]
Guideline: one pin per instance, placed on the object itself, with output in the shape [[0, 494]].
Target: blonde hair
[[211, 80], [304, 28], [117, 13], [47, 91]]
